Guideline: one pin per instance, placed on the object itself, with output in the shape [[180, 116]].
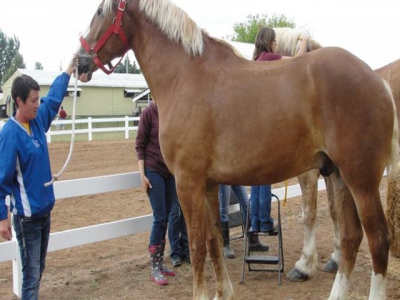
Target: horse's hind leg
[[307, 265], [332, 265], [351, 236], [192, 199], [224, 289], [373, 219]]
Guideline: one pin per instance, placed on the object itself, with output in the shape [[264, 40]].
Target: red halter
[[116, 28]]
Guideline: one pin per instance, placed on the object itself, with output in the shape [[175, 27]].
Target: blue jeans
[[177, 233], [260, 199], [225, 196], [162, 195], [33, 238]]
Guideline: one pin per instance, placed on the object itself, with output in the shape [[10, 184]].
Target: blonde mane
[[288, 42], [175, 24]]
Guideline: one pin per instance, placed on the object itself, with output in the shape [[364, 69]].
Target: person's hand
[[72, 65], [146, 185], [5, 229]]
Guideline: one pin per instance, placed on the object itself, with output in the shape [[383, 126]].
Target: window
[[130, 93], [70, 92]]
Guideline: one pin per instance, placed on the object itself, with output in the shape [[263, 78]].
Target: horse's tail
[[394, 151]]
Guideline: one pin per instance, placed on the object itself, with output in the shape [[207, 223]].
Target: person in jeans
[[224, 202], [159, 184], [24, 169], [260, 199], [178, 237]]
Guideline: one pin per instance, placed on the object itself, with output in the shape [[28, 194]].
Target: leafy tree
[[9, 47], [246, 32], [38, 66], [132, 68], [17, 63]]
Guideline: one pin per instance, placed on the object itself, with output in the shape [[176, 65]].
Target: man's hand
[[5, 229]]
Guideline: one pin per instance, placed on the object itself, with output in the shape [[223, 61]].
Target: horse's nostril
[[85, 69]]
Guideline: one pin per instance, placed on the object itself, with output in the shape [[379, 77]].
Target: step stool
[[275, 262]]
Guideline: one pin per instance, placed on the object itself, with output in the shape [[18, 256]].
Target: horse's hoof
[[331, 267], [297, 276]]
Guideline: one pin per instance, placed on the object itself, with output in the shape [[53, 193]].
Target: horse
[[288, 44], [219, 113]]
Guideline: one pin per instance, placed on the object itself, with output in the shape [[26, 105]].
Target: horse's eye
[[100, 12]]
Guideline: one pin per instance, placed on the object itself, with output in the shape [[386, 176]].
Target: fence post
[[17, 268], [48, 135], [126, 127], [90, 127]]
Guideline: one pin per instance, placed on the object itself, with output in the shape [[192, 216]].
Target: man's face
[[28, 109]]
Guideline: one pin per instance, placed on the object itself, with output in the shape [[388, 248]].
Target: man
[[24, 169], [63, 116]]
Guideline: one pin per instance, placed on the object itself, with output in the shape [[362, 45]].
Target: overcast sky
[[48, 30]]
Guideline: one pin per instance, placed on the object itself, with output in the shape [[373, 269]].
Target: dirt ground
[[119, 268]]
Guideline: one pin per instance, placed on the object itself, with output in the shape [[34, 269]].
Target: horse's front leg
[[307, 265], [224, 289], [192, 196], [332, 265]]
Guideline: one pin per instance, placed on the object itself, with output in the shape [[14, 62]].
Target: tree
[[246, 32], [9, 47], [38, 66], [132, 68], [17, 63]]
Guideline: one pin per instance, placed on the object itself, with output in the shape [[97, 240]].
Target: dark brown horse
[[219, 114]]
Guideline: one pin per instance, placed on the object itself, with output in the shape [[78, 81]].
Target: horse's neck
[[160, 59]]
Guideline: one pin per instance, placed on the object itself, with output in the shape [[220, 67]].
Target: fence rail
[[90, 130], [100, 232]]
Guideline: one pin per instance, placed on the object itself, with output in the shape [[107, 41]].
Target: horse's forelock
[[107, 7], [175, 24]]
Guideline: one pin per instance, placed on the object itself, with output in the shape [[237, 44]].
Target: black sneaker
[[176, 261], [186, 258]]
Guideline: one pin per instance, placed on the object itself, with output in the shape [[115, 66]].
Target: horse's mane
[[175, 24], [288, 41]]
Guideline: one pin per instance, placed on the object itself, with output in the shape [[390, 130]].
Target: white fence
[[100, 232], [90, 129], [127, 128]]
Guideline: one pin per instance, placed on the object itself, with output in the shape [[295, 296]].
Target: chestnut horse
[[288, 44], [219, 113]]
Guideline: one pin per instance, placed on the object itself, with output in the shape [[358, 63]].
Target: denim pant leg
[[267, 223], [161, 195], [33, 238], [224, 193], [174, 230], [255, 207], [243, 197]]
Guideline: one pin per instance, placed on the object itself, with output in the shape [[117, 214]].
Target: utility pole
[[127, 63]]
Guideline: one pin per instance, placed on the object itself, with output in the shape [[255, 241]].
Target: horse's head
[[104, 40]]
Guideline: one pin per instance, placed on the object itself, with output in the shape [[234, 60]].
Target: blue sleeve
[[51, 103], [8, 159]]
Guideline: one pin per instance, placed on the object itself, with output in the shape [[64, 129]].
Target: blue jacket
[[24, 159]]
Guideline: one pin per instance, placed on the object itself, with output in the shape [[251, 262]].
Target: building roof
[[99, 79]]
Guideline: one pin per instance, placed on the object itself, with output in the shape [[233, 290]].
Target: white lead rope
[[71, 148]]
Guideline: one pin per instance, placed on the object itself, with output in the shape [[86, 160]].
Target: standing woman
[[260, 195], [25, 168], [159, 184]]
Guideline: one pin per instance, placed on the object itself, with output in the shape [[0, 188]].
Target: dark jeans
[[162, 195], [177, 233], [225, 197], [33, 238], [260, 200]]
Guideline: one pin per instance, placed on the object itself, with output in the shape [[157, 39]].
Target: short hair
[[22, 86], [264, 39]]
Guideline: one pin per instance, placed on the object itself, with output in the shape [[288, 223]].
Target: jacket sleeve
[[143, 134], [51, 103], [8, 159]]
